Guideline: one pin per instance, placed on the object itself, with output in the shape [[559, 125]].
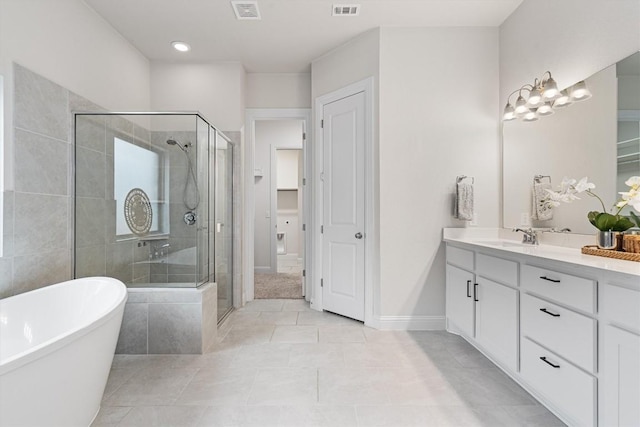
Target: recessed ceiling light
[[181, 46]]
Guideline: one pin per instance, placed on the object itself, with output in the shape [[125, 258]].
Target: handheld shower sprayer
[[190, 175]]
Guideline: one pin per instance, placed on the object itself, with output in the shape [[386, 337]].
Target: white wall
[[356, 60], [268, 133], [571, 38], [438, 106], [217, 90], [68, 43], [278, 90]]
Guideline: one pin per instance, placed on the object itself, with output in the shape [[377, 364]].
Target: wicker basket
[[631, 243]]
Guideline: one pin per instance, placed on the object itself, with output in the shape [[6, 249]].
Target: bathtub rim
[[59, 341]]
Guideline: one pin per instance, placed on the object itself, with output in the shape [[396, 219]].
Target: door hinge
[[322, 283], [304, 181], [304, 273], [304, 227], [304, 136], [322, 229], [321, 123]]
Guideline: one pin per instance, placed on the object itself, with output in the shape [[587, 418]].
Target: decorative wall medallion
[[137, 212]]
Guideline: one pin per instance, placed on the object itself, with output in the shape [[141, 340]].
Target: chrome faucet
[[530, 236]]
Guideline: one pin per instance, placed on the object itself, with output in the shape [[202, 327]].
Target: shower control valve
[[190, 218]]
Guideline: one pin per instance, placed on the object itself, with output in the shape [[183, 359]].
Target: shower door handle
[[219, 227]]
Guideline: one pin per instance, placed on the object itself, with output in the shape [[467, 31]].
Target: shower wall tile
[[91, 261], [142, 134], [6, 277], [181, 278], [37, 270], [120, 125], [79, 104], [158, 278], [41, 164], [175, 329], [109, 182], [40, 223], [209, 314], [40, 105], [90, 222], [120, 261], [91, 173], [110, 220], [91, 132], [133, 333], [7, 215], [175, 296]]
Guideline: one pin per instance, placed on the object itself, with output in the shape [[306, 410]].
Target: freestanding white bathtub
[[56, 348]]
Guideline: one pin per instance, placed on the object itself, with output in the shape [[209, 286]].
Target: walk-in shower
[[153, 201]]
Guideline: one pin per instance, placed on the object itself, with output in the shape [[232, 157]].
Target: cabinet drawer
[[501, 270], [564, 288], [621, 305], [460, 257], [571, 391], [566, 332]]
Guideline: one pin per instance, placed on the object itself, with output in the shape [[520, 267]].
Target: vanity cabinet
[[480, 308], [568, 333], [620, 384]]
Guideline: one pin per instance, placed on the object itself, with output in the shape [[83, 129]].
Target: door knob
[[358, 235]]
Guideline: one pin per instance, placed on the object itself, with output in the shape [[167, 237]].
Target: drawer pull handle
[[475, 292], [544, 359], [544, 310], [468, 291], [550, 280]]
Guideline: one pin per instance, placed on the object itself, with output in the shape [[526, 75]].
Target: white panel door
[[343, 206]]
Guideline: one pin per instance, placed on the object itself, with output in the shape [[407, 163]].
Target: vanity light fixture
[[181, 46], [579, 91], [542, 99]]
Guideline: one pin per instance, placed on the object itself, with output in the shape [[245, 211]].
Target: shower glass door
[[224, 224]]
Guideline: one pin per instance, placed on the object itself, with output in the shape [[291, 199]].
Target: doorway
[[279, 209]]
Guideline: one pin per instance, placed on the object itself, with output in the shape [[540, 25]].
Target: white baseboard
[[409, 323], [262, 270]]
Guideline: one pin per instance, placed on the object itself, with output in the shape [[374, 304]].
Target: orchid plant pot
[[607, 239]]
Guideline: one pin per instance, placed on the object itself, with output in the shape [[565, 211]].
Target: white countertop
[[494, 238]]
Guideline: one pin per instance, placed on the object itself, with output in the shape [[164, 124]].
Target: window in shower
[[140, 168]]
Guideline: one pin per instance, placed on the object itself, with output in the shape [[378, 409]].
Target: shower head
[[177, 144]]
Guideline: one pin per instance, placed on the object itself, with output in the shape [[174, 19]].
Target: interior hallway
[[279, 363]]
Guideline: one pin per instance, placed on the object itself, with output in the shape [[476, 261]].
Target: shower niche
[[153, 209]]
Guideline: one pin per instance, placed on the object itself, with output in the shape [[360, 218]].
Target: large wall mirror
[[598, 138]]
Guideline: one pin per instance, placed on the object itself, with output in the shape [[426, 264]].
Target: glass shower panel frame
[[176, 254], [224, 224]]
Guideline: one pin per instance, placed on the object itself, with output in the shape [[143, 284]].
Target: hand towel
[[541, 210], [464, 201]]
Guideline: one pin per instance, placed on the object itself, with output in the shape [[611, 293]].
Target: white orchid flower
[[633, 182], [584, 185]]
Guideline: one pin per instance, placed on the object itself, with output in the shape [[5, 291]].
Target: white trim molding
[[409, 323]]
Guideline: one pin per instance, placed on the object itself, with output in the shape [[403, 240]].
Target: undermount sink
[[504, 243]]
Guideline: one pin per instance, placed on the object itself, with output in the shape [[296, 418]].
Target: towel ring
[[461, 178], [537, 179]]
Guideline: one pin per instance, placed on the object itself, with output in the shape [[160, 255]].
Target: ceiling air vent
[[346, 10], [246, 9]]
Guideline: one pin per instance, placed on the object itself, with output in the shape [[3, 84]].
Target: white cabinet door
[[460, 304], [620, 378], [497, 321]]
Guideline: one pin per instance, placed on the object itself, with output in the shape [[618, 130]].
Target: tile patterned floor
[[278, 363]]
